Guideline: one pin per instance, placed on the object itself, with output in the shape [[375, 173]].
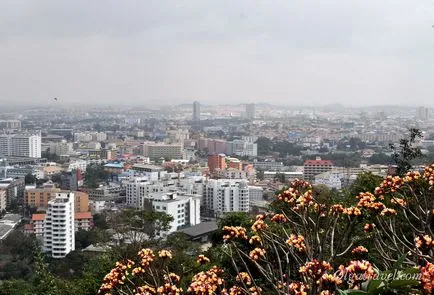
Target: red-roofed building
[[315, 167], [83, 220], [38, 224], [29, 228]]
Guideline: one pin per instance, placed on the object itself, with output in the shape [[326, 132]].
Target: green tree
[[406, 151], [29, 178], [265, 146]]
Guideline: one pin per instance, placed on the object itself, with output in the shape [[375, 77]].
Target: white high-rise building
[[184, 208], [21, 145], [139, 188], [226, 195], [59, 236]]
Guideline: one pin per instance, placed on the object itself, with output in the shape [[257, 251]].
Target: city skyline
[[283, 53]]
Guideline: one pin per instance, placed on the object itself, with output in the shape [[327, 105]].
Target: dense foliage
[[377, 242]]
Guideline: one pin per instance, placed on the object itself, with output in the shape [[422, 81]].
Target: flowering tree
[[307, 245]]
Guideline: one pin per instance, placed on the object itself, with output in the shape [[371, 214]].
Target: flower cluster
[[278, 218], [336, 209], [368, 227], [424, 243], [315, 269], [399, 202], [288, 196], [352, 211], [428, 174], [244, 278], [427, 278], [257, 253], [169, 287], [368, 201], [329, 282], [116, 276], [146, 290], [298, 183], [165, 254], [206, 282], [304, 200], [359, 250], [389, 184], [412, 176], [388, 212], [297, 241], [255, 240], [233, 232], [297, 288], [357, 272], [202, 259], [146, 257], [259, 225]]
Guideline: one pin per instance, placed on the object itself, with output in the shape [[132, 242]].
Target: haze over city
[[170, 52]]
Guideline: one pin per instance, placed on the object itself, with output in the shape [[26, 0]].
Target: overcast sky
[[355, 52]]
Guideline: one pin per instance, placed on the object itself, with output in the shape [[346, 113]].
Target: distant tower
[[422, 113], [196, 111], [250, 111]]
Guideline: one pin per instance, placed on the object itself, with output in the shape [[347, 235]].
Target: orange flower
[[202, 259], [165, 254], [297, 241], [427, 279], [359, 250], [234, 232], [368, 227], [257, 253]]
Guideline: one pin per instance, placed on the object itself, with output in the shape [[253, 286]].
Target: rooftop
[[83, 215], [38, 217], [200, 229], [318, 162]]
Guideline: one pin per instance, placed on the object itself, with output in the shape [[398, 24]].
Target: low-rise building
[[184, 208]]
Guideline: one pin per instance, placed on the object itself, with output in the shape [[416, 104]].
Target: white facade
[[242, 148], [155, 151], [139, 188], [330, 179], [90, 136], [226, 195], [21, 145], [256, 193], [59, 236], [185, 209], [3, 199], [61, 148], [78, 164]]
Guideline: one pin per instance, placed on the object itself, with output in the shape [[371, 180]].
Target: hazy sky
[[222, 51]]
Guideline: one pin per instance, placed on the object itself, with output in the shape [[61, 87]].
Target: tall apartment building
[[250, 111], [21, 145], [216, 161], [196, 111], [14, 188], [61, 148], [14, 125], [59, 233], [226, 195], [3, 199], [40, 197], [315, 167], [156, 151], [90, 136], [178, 135], [243, 148], [184, 208], [422, 113], [138, 190]]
